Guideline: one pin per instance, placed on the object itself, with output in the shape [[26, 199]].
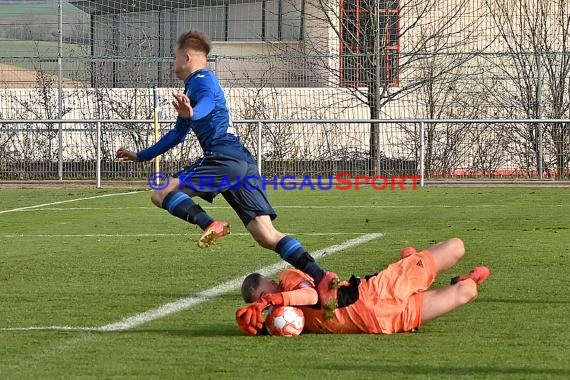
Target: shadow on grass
[[218, 330], [426, 370], [522, 301]]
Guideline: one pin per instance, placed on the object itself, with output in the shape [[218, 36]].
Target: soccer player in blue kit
[[203, 109]]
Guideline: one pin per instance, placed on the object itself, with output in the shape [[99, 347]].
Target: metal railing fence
[[450, 149]]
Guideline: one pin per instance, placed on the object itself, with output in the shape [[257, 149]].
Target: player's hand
[[275, 299], [182, 105], [126, 155], [250, 318]]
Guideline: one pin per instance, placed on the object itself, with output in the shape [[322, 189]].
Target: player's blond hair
[[194, 40]]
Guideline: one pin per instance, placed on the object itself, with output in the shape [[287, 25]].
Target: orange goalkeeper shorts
[[392, 301]]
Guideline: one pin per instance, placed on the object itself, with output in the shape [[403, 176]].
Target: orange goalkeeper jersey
[[388, 302], [293, 279]]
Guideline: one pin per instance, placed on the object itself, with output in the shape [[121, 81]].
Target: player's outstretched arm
[[297, 297], [174, 137]]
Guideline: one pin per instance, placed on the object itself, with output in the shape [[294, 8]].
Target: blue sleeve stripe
[[289, 248], [176, 200]]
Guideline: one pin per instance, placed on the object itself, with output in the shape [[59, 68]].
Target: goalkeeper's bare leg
[[464, 290]]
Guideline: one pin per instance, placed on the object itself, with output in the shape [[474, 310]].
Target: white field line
[[13, 236], [48, 328], [68, 201], [206, 295]]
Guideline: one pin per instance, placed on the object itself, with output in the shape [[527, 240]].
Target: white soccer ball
[[285, 321]]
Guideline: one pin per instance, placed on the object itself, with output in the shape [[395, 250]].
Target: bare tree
[[478, 149], [384, 44], [536, 34], [39, 141], [290, 147]]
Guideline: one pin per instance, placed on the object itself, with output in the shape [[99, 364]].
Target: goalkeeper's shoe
[[478, 274], [328, 293], [213, 232], [406, 252]]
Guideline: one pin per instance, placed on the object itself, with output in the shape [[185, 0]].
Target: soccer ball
[[284, 321]]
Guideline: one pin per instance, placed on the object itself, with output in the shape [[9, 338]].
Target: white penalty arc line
[[187, 302], [68, 201], [206, 295], [49, 328]]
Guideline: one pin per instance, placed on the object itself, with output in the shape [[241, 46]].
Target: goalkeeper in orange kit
[[392, 301]]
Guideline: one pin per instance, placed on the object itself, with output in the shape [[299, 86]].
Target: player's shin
[[182, 206], [327, 283], [292, 251]]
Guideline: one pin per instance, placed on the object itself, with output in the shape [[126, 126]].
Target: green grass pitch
[[96, 261]]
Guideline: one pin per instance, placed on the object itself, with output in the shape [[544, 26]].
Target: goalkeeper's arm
[[297, 297]]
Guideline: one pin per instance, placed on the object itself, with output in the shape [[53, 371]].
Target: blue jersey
[[211, 121]]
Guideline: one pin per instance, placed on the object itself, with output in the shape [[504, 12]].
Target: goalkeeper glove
[[250, 318], [275, 299]]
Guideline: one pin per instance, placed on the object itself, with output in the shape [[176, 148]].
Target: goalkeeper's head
[[255, 286]]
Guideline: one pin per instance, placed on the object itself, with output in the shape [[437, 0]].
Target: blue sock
[[182, 206], [292, 251]]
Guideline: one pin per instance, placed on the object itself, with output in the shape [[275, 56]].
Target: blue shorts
[[237, 180]]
